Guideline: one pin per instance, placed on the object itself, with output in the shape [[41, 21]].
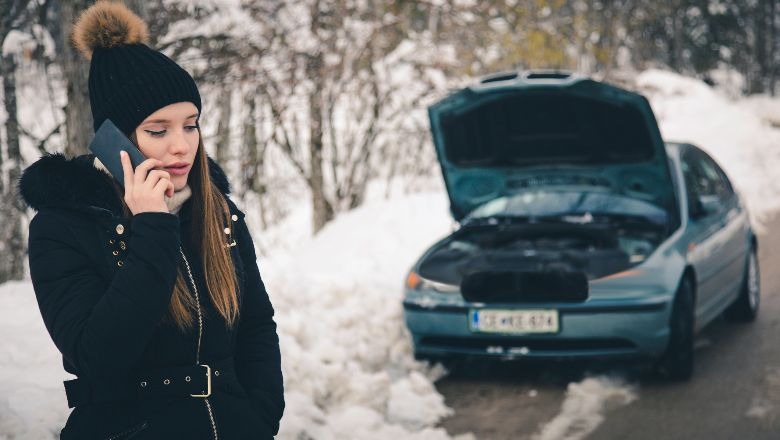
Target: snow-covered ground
[[348, 367], [583, 408]]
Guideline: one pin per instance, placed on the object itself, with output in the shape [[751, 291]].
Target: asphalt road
[[734, 394]]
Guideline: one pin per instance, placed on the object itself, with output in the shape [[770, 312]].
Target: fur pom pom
[[107, 24]]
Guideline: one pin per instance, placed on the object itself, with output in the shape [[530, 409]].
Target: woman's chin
[[179, 182]]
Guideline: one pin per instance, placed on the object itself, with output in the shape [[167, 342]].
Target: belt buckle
[[208, 383]]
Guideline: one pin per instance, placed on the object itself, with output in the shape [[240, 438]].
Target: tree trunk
[[254, 156], [223, 127], [772, 47], [12, 245], [75, 68], [761, 68], [322, 210]]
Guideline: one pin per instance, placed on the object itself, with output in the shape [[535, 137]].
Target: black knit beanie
[[128, 81]]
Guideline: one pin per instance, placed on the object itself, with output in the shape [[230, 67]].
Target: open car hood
[[520, 131]]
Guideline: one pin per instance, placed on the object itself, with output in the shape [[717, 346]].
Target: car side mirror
[[704, 205], [695, 207]]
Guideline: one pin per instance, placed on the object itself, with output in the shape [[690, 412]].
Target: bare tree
[[12, 245], [223, 127], [78, 115], [253, 157], [330, 92]]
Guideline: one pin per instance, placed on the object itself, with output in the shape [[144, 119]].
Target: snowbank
[[738, 134], [583, 408], [347, 359], [32, 397]]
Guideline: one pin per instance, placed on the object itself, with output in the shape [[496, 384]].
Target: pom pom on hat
[[107, 24], [128, 80]]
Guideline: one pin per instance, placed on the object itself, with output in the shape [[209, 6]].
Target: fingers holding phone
[[146, 186]]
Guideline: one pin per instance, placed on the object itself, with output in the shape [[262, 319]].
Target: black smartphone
[[106, 144]]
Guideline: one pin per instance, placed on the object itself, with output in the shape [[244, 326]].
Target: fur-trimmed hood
[[56, 181]]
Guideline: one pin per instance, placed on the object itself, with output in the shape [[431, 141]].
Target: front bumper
[[594, 329]]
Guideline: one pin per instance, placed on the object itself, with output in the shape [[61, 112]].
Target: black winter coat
[[103, 284]]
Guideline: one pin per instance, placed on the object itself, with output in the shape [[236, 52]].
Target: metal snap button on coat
[[234, 217], [120, 229]]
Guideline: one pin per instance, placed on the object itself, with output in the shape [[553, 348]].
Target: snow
[[346, 284], [346, 355], [735, 133], [759, 408], [17, 42], [32, 397], [584, 405]]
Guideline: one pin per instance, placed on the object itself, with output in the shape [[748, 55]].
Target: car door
[[707, 237], [734, 225]]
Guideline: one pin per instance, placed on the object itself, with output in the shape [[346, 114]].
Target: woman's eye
[[191, 127], [153, 133]]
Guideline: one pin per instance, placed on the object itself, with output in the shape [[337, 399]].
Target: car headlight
[[415, 282]]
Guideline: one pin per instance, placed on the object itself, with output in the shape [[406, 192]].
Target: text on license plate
[[514, 321]]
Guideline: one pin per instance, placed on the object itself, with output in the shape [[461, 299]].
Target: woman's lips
[[178, 171]]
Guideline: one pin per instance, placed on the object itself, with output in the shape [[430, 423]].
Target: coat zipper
[[200, 334], [130, 432]]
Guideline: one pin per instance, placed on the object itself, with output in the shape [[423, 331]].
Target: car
[[580, 232]]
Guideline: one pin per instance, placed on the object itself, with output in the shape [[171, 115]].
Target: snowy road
[[735, 392]]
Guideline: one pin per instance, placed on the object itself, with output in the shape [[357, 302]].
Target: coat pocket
[[129, 433]]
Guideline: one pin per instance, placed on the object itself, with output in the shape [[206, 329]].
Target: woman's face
[[171, 135]]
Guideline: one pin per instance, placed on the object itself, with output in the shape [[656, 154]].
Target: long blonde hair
[[206, 237]]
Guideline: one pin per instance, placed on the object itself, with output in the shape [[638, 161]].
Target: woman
[[152, 291]]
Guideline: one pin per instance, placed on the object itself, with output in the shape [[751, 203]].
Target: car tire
[[676, 364], [745, 307]]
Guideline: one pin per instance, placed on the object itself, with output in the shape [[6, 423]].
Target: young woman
[[151, 291]]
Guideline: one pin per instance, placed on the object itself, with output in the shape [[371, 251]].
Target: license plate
[[514, 321]]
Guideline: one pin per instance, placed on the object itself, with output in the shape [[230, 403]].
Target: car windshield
[[575, 206]]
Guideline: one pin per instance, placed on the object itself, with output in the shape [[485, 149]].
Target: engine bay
[[531, 261]]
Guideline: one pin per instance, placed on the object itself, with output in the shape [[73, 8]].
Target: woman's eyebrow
[[158, 121]]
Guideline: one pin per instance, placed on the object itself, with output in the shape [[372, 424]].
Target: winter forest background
[[312, 100], [317, 111]]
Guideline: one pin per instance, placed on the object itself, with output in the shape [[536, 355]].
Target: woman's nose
[[178, 143]]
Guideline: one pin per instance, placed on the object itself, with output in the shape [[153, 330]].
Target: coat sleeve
[[257, 358], [103, 331]]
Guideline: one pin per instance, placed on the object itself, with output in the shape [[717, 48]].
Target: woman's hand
[[144, 193]]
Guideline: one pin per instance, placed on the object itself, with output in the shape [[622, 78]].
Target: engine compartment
[[538, 261]]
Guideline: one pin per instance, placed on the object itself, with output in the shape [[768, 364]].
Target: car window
[[721, 185], [705, 181]]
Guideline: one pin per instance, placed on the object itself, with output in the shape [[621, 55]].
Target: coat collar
[[56, 181]]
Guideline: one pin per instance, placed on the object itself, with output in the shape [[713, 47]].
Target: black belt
[[197, 381]]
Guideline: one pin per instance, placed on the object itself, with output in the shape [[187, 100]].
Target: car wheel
[[745, 307], [676, 363]]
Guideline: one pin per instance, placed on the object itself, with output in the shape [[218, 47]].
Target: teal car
[[581, 233]]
